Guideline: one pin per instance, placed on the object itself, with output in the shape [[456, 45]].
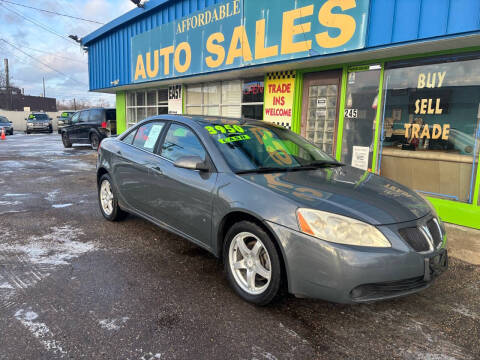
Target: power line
[[54, 55], [53, 12], [38, 24], [41, 62]]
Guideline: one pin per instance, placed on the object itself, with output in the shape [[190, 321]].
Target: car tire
[[66, 141], [259, 254], [94, 141], [27, 132], [107, 194]]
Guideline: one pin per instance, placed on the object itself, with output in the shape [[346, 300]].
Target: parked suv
[[39, 122], [64, 119], [90, 127], [7, 125]]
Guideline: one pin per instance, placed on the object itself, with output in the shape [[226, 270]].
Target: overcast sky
[[56, 52]]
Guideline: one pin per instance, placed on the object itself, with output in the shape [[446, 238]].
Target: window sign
[[430, 124], [279, 98], [175, 101]]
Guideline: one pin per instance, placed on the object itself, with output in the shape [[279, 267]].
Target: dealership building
[[388, 86]]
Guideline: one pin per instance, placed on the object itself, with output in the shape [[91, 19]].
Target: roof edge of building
[[123, 19]]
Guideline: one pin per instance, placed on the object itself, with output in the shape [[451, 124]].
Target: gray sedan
[[282, 214]]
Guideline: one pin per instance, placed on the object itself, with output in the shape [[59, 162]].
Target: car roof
[[204, 119]]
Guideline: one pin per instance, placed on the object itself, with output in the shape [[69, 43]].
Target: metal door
[[321, 98]]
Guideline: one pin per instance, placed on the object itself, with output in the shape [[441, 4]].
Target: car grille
[[435, 232], [418, 240], [414, 237], [387, 289]]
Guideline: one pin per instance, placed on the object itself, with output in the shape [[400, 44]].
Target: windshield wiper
[[263, 170], [320, 164], [310, 166]]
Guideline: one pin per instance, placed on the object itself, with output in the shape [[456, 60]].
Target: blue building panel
[[389, 22], [398, 21]]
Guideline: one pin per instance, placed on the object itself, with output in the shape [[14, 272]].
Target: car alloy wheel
[[250, 263], [106, 197]]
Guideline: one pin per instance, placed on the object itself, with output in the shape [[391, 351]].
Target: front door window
[[359, 118]]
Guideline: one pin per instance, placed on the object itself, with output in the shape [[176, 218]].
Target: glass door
[[320, 111], [360, 115]]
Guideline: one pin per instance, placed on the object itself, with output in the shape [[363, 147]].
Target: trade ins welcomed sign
[[241, 33]]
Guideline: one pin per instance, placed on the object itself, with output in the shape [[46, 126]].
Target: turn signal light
[[104, 124]]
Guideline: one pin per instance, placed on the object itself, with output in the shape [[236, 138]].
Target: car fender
[[96, 132]]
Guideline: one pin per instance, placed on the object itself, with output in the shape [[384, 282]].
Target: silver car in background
[[39, 122], [282, 214]]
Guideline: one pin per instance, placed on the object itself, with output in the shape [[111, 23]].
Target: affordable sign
[[241, 33]]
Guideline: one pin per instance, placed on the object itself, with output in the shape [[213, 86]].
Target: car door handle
[[156, 170]]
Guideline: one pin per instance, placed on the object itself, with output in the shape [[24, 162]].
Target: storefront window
[[252, 99], [143, 104], [430, 127], [229, 98]]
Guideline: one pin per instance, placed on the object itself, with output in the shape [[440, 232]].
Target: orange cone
[[3, 137]]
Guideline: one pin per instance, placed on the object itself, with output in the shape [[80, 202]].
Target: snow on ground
[[29, 319], [54, 248]]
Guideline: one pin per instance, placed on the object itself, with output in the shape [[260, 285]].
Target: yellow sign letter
[[344, 22]]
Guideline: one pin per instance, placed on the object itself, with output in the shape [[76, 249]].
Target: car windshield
[[3, 119], [38, 117], [256, 147]]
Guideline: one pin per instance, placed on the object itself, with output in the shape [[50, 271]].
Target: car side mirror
[[192, 163]]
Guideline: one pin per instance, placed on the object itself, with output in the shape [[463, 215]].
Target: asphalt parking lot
[[73, 285]]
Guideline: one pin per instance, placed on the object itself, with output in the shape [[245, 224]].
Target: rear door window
[[181, 141], [96, 116], [148, 135], [83, 116]]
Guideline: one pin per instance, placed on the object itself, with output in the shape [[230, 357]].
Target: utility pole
[[7, 74], [74, 104], [44, 87], [7, 84]]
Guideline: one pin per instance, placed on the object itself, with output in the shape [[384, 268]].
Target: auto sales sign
[[241, 33]]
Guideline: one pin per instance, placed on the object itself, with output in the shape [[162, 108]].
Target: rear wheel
[[108, 200], [94, 141], [252, 263], [66, 140]]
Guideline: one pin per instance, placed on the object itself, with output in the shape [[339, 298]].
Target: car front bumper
[[353, 274], [39, 129]]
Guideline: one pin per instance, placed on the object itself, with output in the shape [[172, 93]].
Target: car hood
[[5, 124], [347, 191]]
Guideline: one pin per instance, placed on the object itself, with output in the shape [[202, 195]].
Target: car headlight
[[340, 229], [29, 124]]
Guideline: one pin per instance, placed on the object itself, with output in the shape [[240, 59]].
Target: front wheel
[[108, 200], [252, 263], [66, 141]]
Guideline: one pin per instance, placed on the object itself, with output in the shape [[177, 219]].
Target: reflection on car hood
[[347, 191]]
